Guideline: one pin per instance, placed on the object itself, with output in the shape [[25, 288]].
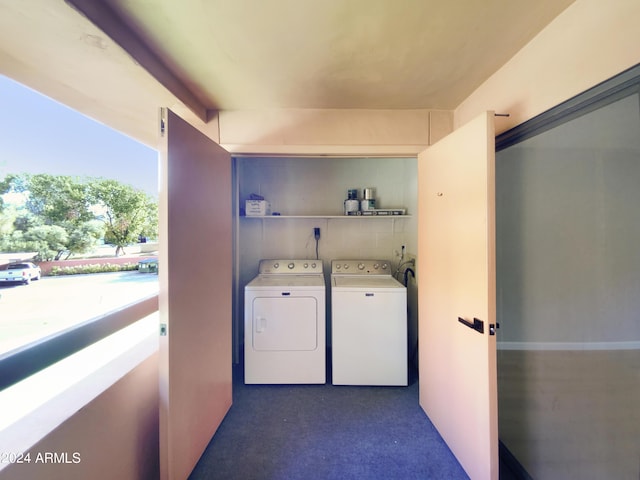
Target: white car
[[22, 272]]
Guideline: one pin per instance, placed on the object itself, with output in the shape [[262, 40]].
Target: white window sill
[[34, 407]]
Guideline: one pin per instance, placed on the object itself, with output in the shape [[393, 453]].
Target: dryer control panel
[[288, 266], [360, 267]]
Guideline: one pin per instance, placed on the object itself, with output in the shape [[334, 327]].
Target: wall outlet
[[316, 233]]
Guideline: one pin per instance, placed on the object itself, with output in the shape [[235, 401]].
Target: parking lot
[[52, 304]]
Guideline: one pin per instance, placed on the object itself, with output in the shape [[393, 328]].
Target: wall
[[116, 434], [588, 43], [333, 132]]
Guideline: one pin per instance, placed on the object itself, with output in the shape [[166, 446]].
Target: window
[[62, 209]]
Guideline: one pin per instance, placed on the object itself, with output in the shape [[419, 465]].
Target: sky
[[40, 135]]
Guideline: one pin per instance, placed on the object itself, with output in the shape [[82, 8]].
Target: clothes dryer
[[368, 324], [284, 328]]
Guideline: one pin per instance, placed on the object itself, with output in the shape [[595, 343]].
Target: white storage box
[[257, 208]]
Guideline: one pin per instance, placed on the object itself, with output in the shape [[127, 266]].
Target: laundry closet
[[305, 194]]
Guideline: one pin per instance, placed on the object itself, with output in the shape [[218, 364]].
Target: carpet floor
[[326, 432]]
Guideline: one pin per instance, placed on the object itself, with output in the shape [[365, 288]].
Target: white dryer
[[284, 328], [368, 324]]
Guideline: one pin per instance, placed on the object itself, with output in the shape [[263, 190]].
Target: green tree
[[126, 212], [59, 198], [47, 240], [86, 209], [82, 239]]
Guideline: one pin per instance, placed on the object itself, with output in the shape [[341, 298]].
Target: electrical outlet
[[316, 233]]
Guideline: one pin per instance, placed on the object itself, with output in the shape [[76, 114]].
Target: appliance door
[[369, 337], [284, 323]]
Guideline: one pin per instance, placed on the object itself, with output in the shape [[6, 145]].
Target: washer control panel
[[360, 267], [288, 266]]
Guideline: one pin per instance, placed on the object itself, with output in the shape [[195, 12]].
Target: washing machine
[[368, 324], [284, 327]]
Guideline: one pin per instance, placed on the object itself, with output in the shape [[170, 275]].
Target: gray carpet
[[326, 432]]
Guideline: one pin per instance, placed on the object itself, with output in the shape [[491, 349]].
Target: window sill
[[34, 407]]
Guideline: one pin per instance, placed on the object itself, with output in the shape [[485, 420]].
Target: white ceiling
[[260, 54], [245, 54]]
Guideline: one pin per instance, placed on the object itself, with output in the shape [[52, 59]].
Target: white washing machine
[[284, 327], [368, 324]]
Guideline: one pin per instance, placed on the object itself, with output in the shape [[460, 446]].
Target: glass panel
[[568, 277], [79, 200]]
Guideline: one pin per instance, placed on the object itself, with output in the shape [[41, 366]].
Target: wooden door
[[195, 270], [456, 267]]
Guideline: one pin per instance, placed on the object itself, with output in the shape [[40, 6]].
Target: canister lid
[[369, 193]]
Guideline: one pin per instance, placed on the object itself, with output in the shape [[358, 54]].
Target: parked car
[[148, 265], [22, 272]]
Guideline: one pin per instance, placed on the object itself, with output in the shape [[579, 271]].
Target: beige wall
[[116, 435], [332, 132], [588, 43]]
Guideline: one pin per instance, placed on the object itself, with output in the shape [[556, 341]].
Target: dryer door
[[285, 323]]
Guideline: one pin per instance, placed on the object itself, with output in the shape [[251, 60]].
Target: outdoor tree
[[81, 210], [126, 212], [47, 240], [59, 199], [83, 237]]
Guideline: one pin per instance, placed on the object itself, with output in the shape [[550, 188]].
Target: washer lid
[[365, 281]]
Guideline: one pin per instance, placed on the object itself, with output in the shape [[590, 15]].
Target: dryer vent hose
[[406, 276]]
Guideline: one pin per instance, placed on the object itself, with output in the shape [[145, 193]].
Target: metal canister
[[368, 202]]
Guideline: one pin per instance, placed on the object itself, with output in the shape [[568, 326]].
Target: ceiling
[[261, 54]]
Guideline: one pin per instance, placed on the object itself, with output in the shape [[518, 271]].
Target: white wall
[[318, 186]]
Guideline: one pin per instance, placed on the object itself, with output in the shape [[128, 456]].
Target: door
[[195, 273], [456, 266], [286, 323]]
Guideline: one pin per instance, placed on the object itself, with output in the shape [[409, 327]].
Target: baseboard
[[568, 345]]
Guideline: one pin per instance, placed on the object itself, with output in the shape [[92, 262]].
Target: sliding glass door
[[568, 288]]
